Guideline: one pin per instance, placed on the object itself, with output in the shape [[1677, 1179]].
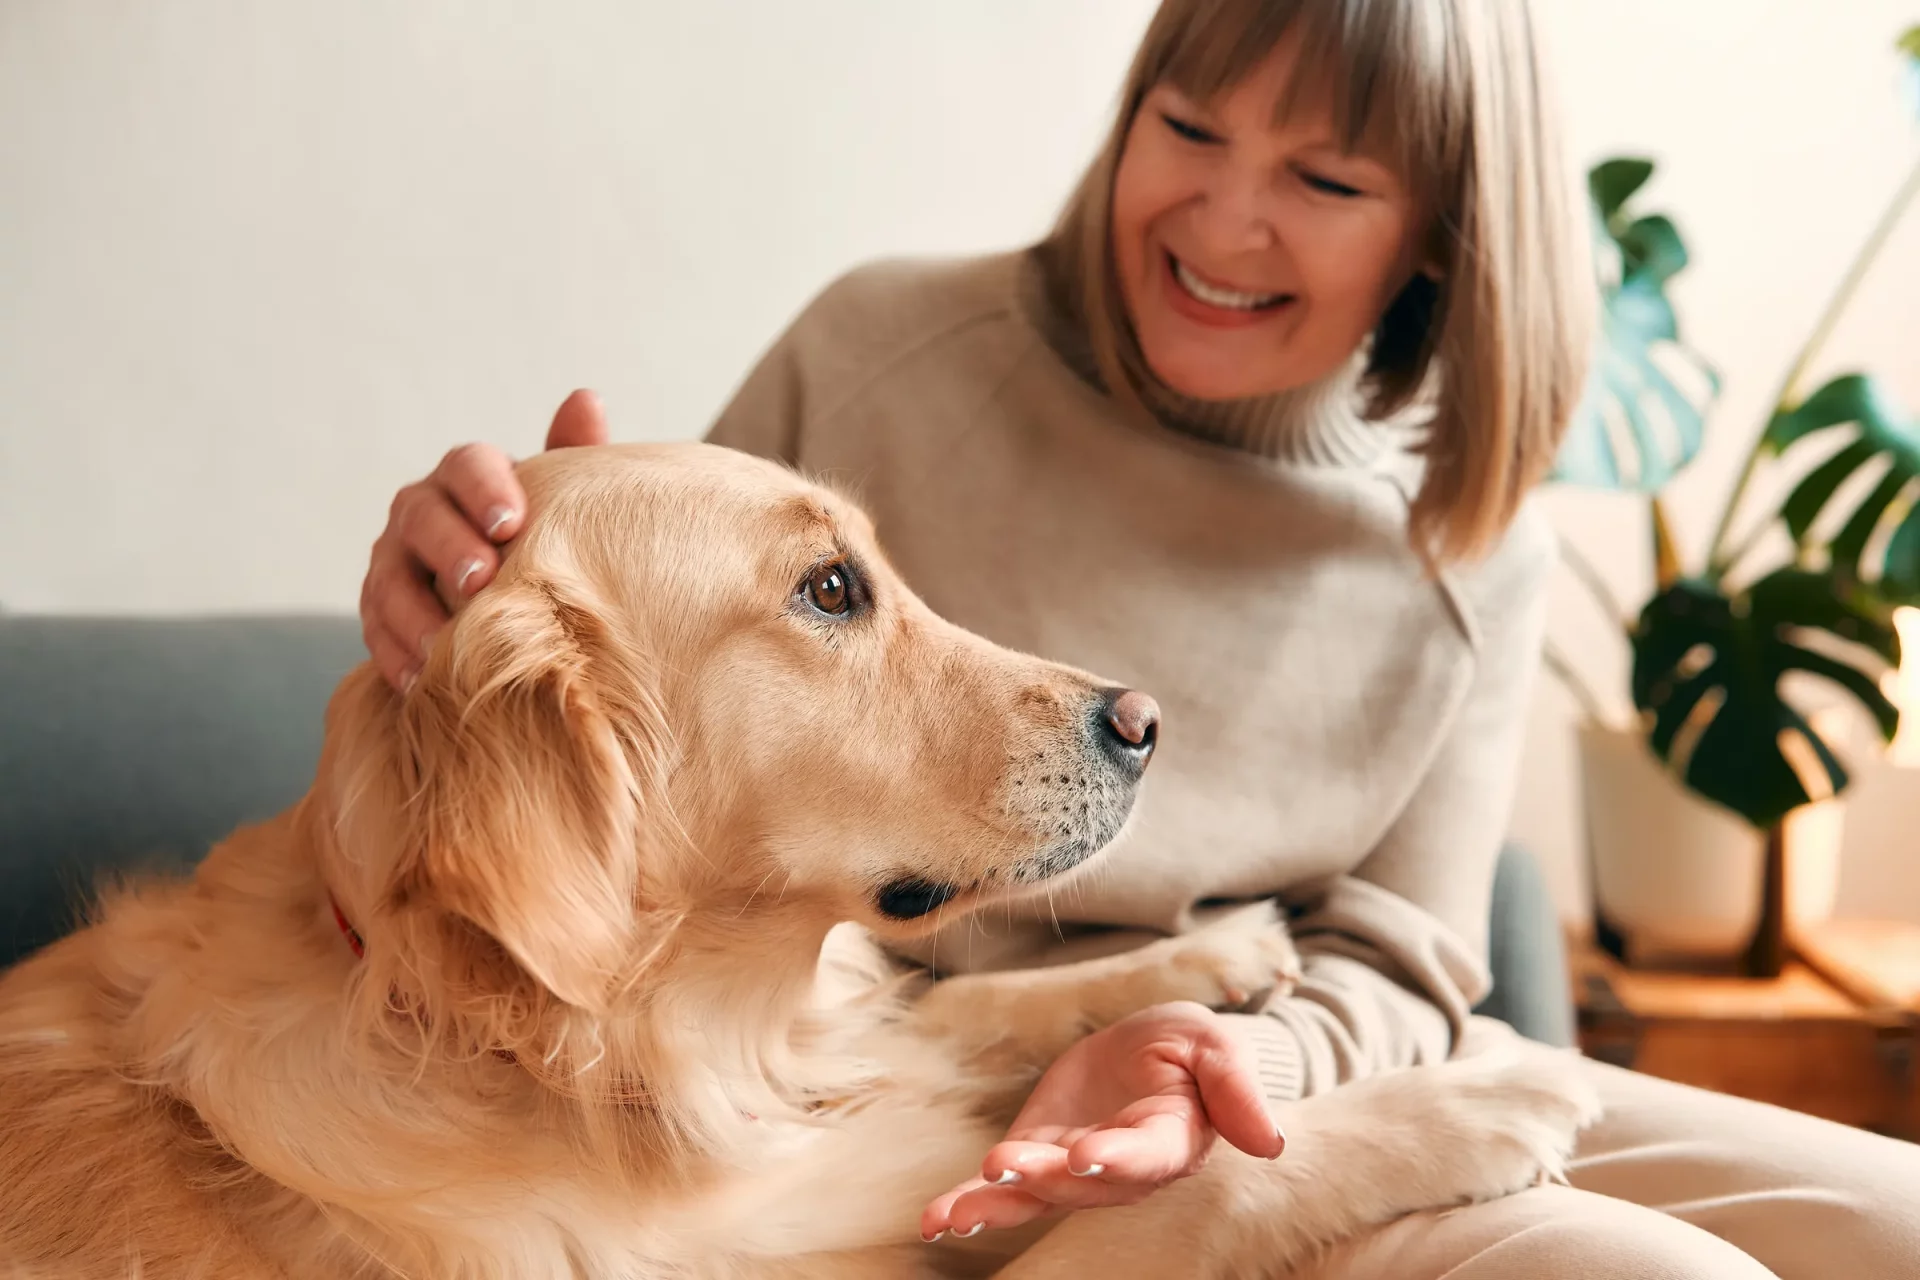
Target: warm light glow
[[1904, 688]]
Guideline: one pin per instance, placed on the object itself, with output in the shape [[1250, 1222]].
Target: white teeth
[[1214, 296]]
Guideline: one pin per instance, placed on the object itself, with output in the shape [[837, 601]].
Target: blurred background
[[261, 263]]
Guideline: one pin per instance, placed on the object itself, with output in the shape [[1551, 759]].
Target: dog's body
[[609, 1022]]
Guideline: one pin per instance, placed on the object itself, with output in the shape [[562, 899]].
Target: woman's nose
[[1237, 211]]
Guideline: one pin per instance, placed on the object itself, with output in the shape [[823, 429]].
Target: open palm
[[1123, 1112]]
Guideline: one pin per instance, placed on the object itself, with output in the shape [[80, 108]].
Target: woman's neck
[[1318, 424]]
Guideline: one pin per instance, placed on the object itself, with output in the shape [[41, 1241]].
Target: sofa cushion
[[140, 742]]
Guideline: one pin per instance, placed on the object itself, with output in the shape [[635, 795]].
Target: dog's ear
[[525, 796]]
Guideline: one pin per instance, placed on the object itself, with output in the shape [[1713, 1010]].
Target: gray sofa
[[134, 743]]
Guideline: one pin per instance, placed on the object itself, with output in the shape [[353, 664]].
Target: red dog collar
[[352, 934]]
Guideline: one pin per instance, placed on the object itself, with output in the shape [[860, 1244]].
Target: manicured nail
[[408, 679], [1091, 1171], [496, 518], [936, 1236], [1007, 1179], [1281, 1138], [465, 573], [970, 1232]]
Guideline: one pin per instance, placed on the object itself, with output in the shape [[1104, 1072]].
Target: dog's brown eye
[[828, 590]]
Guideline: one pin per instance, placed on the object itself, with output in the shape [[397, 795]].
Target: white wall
[[262, 262]]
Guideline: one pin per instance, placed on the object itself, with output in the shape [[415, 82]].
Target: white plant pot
[[1680, 877]]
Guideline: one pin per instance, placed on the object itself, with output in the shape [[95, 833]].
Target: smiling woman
[[1285, 189], [1224, 218]]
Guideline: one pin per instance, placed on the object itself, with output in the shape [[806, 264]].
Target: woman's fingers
[[1223, 1067], [580, 420], [442, 544], [1025, 1161], [430, 546], [1093, 1169], [1118, 1164], [480, 481], [395, 663], [398, 611], [1151, 1150], [986, 1209]]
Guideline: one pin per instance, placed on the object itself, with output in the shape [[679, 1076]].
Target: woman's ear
[[524, 804]]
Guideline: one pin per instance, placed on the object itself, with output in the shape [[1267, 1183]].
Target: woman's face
[[1254, 257]]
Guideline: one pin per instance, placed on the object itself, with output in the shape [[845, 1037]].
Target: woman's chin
[[1208, 381]]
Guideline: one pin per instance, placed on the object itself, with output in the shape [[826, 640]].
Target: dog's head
[[697, 687]]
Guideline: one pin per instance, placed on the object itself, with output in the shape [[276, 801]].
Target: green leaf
[[1814, 601], [1635, 427], [1707, 670], [1881, 434], [1651, 249], [1613, 182], [1814, 492]]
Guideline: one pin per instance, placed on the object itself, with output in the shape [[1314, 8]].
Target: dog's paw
[[1518, 1112], [1236, 963]]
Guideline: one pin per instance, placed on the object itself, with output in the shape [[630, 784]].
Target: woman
[[1169, 444]]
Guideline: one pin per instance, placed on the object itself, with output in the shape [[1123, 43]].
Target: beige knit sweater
[[1340, 730]]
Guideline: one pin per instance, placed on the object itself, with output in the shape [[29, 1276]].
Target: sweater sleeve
[[1394, 954]]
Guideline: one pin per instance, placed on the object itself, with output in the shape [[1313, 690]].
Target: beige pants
[[1677, 1184]]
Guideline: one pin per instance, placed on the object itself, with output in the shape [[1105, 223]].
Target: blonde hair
[[1455, 90]]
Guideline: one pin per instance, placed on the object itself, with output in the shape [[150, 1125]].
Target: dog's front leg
[[1022, 1020]]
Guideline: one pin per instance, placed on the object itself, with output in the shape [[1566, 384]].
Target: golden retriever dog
[[570, 964]]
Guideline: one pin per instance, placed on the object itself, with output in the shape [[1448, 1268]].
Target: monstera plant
[[1718, 640]]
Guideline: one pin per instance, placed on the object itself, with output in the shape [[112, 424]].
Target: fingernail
[[1091, 1171], [1007, 1179], [970, 1232], [467, 570], [496, 518], [938, 1235], [1281, 1138], [408, 679]]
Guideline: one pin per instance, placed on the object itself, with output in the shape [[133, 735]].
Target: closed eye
[[1190, 132], [1327, 186]]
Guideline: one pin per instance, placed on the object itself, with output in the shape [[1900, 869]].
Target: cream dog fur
[[622, 861]]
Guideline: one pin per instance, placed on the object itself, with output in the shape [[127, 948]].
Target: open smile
[[1214, 302]]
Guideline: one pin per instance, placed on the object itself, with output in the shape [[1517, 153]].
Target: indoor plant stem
[[1723, 558]]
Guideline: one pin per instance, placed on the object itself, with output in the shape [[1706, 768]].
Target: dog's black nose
[[1129, 724]]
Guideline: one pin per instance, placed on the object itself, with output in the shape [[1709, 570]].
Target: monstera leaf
[[1707, 669], [1880, 434], [1635, 427]]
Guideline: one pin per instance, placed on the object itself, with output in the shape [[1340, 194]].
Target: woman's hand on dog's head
[[439, 544], [1119, 1115]]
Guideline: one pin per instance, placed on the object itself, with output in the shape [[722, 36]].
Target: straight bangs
[[1386, 69]]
